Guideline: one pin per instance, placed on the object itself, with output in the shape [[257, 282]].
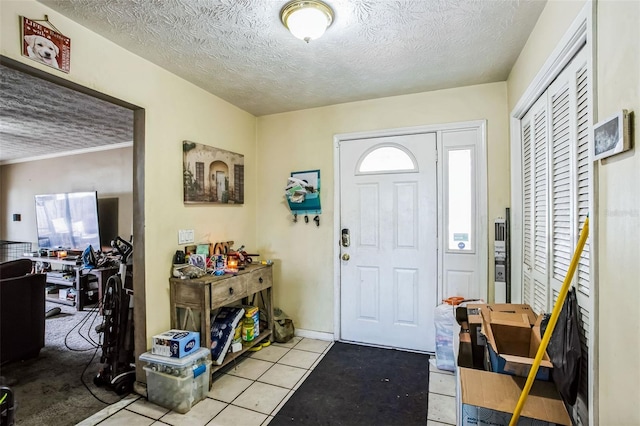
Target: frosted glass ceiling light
[[306, 19]]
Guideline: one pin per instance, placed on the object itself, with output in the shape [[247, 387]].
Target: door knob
[[346, 256]]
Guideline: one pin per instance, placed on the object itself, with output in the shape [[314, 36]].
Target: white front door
[[388, 209]]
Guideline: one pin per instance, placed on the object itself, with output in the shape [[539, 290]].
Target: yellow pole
[[552, 323]]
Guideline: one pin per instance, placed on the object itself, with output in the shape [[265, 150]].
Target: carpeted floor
[[361, 385], [48, 390]]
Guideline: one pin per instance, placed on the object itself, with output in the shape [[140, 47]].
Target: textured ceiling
[[240, 51], [38, 118]]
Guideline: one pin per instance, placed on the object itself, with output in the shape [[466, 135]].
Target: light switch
[[186, 236]]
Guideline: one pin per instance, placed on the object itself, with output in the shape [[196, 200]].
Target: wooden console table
[[192, 301]]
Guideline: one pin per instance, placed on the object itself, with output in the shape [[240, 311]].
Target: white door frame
[[482, 228], [581, 31]]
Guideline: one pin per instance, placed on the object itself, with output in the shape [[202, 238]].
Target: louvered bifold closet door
[[584, 173], [562, 110], [527, 196], [534, 128], [569, 115]]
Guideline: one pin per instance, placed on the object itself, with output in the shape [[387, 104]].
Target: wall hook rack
[[303, 194]]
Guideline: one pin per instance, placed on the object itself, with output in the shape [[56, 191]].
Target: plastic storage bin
[[177, 383]]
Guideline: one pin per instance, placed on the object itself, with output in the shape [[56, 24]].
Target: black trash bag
[[564, 348]]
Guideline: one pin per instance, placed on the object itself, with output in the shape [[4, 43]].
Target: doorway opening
[[137, 191]]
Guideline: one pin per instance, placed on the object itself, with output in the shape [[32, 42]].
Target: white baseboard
[[310, 334]]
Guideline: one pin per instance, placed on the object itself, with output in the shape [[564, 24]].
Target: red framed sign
[[45, 45]]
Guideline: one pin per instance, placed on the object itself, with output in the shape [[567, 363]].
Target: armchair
[[22, 311]]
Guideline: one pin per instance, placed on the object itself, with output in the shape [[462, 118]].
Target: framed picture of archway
[[212, 175]]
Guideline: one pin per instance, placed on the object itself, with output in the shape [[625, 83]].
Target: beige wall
[[618, 52], [108, 172], [554, 21], [303, 140], [175, 111], [616, 231]]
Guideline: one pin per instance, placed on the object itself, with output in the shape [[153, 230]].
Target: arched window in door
[[387, 159]]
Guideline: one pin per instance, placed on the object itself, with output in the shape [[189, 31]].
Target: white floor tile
[[434, 368], [283, 375], [300, 359], [108, 411], [261, 397], [444, 384], [312, 345], [146, 408], [199, 415], [227, 388], [124, 417], [250, 368], [271, 353], [290, 344], [234, 416], [442, 408]]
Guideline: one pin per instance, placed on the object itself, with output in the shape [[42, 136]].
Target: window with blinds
[[556, 188]]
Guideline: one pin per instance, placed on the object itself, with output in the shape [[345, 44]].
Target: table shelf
[[80, 278], [193, 300]]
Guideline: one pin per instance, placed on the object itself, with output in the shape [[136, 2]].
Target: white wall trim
[[516, 210], [480, 126], [336, 234], [569, 45], [414, 130], [68, 153], [593, 368], [580, 33], [310, 334], [482, 203]]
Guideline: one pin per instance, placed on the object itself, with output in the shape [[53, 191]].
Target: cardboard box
[[490, 399], [513, 339], [175, 343], [474, 319], [474, 315]]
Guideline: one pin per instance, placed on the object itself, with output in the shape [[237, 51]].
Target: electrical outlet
[[185, 236]]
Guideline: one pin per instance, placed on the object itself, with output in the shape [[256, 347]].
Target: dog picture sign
[[45, 45]]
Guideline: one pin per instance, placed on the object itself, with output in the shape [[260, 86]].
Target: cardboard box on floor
[[490, 399], [513, 338]]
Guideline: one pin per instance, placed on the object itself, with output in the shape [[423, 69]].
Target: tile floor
[[252, 390]]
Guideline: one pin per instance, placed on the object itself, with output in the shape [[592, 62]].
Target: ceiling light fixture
[[306, 19]]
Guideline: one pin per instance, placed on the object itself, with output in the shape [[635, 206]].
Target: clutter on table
[[215, 259]]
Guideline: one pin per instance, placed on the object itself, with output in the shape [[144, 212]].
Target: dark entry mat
[[361, 385]]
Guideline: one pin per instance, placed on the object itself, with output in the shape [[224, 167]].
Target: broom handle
[[552, 323]]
